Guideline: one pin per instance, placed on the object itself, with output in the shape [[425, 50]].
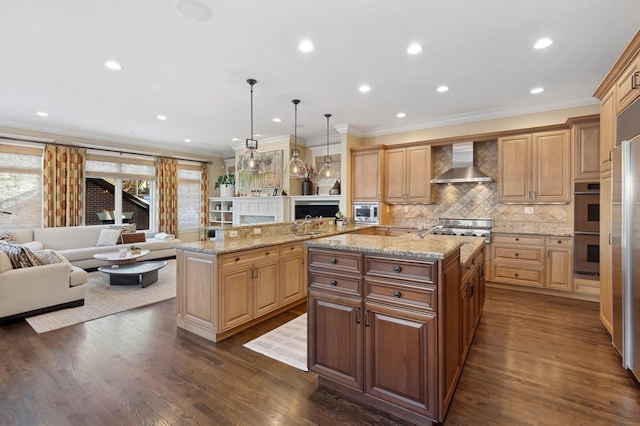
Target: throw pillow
[[137, 237], [125, 228], [6, 236], [108, 237], [20, 257], [33, 245], [47, 257]]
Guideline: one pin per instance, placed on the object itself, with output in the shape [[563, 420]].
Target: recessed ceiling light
[[305, 46], [234, 139], [442, 89], [542, 43], [42, 114], [113, 65], [187, 140], [256, 135], [364, 88], [277, 120], [194, 10], [401, 115], [537, 90], [414, 49], [162, 117]]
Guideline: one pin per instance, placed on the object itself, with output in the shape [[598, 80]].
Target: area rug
[[287, 343], [102, 299]]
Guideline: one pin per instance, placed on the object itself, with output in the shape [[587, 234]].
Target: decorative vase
[[307, 186], [227, 190]]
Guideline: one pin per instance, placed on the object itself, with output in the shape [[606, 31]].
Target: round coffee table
[[143, 273], [115, 258]]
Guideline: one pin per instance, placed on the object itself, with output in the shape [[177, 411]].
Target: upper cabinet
[[586, 145], [408, 175], [535, 168], [628, 85], [367, 174]]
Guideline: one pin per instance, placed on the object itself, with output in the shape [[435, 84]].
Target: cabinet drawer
[[336, 261], [400, 269], [249, 256], [559, 242], [517, 276], [329, 281], [532, 240], [393, 292], [291, 249], [518, 254]]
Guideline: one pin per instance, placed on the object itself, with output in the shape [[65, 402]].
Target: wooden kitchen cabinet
[[408, 175], [606, 254], [607, 128], [628, 85], [367, 173], [585, 135], [293, 272], [534, 168], [559, 267]]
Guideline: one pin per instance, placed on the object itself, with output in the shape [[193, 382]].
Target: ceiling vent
[[462, 170]]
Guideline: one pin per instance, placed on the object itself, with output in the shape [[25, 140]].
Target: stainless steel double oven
[[586, 229]]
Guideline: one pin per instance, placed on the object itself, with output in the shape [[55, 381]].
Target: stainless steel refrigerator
[[625, 227]]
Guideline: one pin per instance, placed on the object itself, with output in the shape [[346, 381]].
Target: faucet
[[422, 232], [299, 223]]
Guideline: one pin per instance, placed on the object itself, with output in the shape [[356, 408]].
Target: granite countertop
[[431, 247]]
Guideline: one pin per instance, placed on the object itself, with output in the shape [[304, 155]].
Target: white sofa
[[78, 244]]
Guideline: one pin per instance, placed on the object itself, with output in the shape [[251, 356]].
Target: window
[[21, 183], [189, 195], [119, 189]]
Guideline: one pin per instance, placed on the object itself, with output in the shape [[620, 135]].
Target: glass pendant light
[[251, 160], [296, 167], [327, 173]]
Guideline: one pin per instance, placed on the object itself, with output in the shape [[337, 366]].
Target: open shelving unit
[[220, 211]]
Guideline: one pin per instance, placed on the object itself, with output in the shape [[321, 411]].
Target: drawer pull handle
[[237, 259], [357, 315], [332, 260], [334, 282], [517, 255], [517, 239], [397, 268], [267, 254], [516, 275], [470, 293], [559, 242], [291, 248], [396, 294]]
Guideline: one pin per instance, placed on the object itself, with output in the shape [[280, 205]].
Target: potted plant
[[339, 218], [135, 250], [227, 184]]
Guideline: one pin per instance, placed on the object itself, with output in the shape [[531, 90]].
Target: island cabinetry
[[535, 168], [194, 300], [472, 291], [249, 284], [385, 330], [367, 173], [293, 272], [408, 177]]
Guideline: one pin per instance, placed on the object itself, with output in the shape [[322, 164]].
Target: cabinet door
[[395, 167], [586, 142], [235, 295], [400, 357], [627, 86], [335, 322], [606, 277], [292, 277], [551, 167], [607, 128], [266, 287], [194, 289], [513, 169], [559, 268], [366, 175], [418, 174]]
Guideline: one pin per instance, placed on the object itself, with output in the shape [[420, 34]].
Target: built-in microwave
[[366, 213]]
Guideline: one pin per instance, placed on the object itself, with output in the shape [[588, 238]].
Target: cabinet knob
[[332, 260], [267, 253], [517, 255], [396, 294], [291, 248], [517, 239], [559, 242], [516, 275], [237, 259], [334, 282], [397, 268]]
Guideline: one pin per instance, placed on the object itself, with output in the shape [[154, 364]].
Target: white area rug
[[287, 343], [102, 299]]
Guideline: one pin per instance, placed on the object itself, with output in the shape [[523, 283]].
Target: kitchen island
[[391, 318]]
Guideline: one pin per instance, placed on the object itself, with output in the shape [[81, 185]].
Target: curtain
[[167, 188], [204, 201], [63, 176]]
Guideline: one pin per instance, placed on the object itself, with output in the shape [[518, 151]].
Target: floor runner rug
[[102, 299], [287, 343]]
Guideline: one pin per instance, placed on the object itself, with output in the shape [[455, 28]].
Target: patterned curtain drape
[[204, 201], [167, 183], [63, 179]]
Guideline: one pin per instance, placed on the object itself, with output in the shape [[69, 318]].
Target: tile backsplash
[[470, 200]]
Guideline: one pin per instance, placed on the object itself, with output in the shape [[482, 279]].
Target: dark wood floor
[[536, 360]]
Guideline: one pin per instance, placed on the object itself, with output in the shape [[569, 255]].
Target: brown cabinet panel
[[366, 174], [514, 168], [334, 281], [235, 296], [266, 284], [512, 275], [607, 128], [408, 175], [336, 260], [628, 85], [586, 143], [400, 269], [518, 254], [559, 268], [410, 296]]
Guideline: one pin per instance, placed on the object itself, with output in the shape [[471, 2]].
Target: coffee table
[[114, 257], [143, 273]]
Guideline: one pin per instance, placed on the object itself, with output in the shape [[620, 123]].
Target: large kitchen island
[[391, 319]]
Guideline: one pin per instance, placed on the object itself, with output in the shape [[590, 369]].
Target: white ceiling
[[52, 56]]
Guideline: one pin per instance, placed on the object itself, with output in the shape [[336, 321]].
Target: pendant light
[[251, 160], [296, 167], [327, 173]]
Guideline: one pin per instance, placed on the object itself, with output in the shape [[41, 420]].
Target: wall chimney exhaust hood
[[463, 170]]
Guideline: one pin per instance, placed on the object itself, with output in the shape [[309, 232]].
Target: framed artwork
[[270, 179]]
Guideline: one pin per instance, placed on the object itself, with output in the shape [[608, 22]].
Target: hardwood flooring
[[535, 360]]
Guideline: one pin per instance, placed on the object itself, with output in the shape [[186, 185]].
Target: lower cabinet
[[293, 272]]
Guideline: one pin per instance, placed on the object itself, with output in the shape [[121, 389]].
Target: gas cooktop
[[465, 227]]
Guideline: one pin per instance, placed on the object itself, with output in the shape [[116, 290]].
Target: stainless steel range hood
[[462, 170]]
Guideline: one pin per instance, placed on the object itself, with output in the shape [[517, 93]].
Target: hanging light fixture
[[327, 173], [296, 167], [251, 160]]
